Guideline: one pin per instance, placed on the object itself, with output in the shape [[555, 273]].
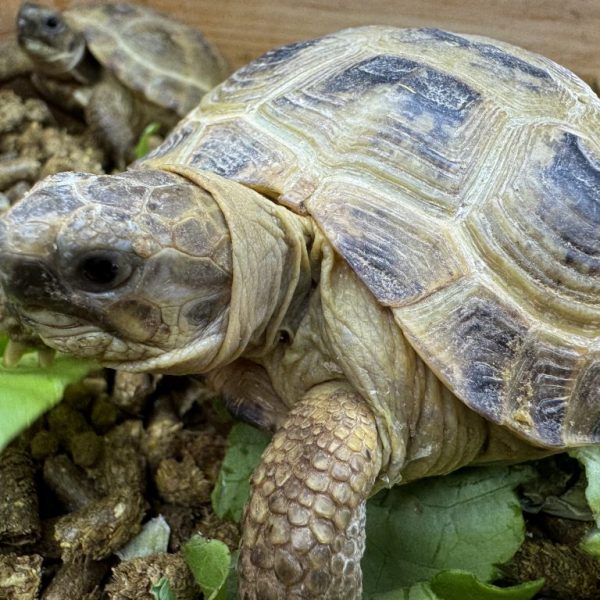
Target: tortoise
[[383, 245], [124, 65]]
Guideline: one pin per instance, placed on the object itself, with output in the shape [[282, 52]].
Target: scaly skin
[[303, 533]]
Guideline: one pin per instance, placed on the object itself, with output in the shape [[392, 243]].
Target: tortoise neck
[[290, 272], [271, 269], [87, 71]]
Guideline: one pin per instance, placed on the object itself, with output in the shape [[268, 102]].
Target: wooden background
[[567, 31]]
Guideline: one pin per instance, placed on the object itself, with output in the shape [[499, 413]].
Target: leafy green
[[232, 580], [162, 590], [28, 390], [589, 457], [419, 591], [152, 539], [246, 444], [210, 563], [468, 520], [142, 147], [558, 489], [460, 585]]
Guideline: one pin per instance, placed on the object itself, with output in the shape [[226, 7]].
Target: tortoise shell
[[170, 64], [460, 178]]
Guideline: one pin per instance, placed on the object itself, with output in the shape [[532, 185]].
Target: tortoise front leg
[[111, 117], [304, 526]]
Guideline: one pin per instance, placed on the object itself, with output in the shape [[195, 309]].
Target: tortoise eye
[[101, 271], [53, 23]]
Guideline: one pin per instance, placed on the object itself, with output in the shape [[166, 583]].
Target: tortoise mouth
[[189, 360]]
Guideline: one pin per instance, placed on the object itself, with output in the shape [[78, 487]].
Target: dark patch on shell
[[571, 196], [378, 268], [577, 175], [548, 416], [486, 338], [586, 419], [273, 58], [423, 97], [488, 51], [153, 178], [436, 90], [545, 375], [174, 140], [229, 152]]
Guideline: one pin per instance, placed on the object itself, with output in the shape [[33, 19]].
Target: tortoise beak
[[27, 280], [27, 19]]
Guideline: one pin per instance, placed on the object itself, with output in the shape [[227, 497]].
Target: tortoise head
[[44, 34], [131, 269]]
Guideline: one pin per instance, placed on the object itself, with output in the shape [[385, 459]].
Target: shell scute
[[574, 184], [543, 378], [471, 338], [489, 51], [544, 209], [362, 226], [431, 88]]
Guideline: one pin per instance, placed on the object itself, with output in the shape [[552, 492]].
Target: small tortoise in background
[[384, 245], [124, 65]]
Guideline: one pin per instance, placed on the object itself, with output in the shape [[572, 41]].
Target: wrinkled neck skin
[[271, 270]]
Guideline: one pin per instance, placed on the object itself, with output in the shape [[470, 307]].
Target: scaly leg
[[303, 533], [111, 117]]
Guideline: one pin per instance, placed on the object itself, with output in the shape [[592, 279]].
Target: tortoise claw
[[13, 353], [46, 357]]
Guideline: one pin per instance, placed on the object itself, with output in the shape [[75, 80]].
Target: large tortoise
[[124, 65], [384, 245]]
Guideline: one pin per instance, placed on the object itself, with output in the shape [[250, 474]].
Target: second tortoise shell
[[169, 63]]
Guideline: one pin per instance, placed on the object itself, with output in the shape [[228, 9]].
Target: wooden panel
[[564, 30]]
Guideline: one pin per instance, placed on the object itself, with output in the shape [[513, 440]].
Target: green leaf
[[142, 148], [470, 520], [589, 457], [210, 562], [162, 590], [152, 539], [458, 585], [232, 579], [419, 591], [246, 444], [28, 390]]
